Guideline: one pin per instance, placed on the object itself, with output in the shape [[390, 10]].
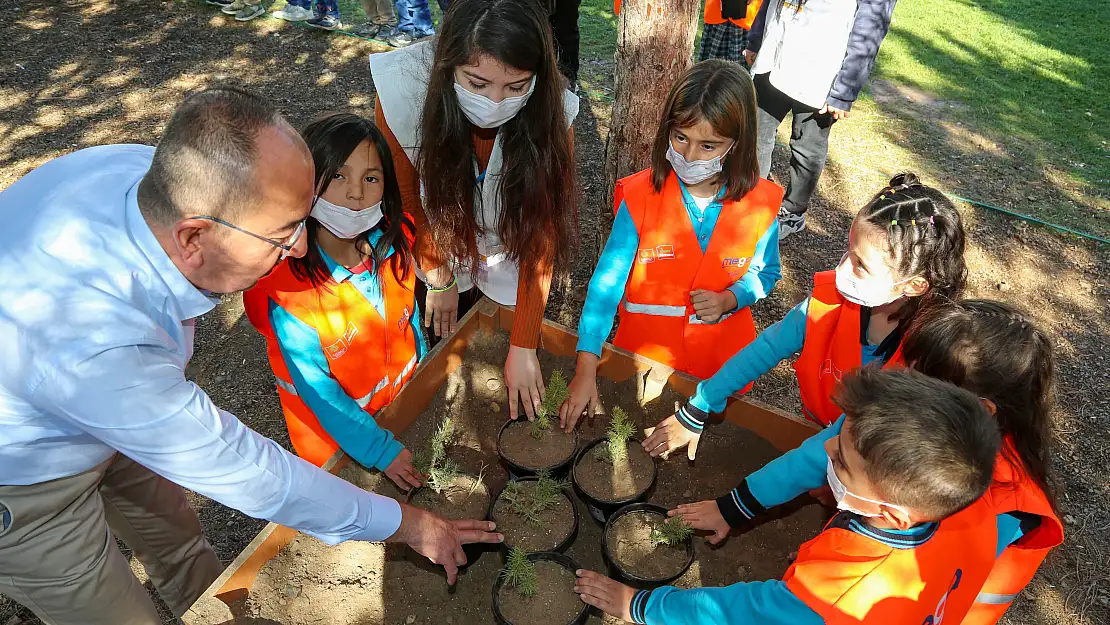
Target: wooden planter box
[[783, 430]]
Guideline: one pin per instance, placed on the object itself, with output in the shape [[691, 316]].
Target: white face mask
[[862, 292], [344, 222], [839, 491], [694, 172], [484, 112]]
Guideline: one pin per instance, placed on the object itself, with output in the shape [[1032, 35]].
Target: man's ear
[[915, 287], [187, 237], [897, 517], [989, 405]]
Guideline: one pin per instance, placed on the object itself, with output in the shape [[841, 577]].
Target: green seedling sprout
[[672, 532], [520, 573], [615, 447], [556, 393], [440, 471], [544, 495]]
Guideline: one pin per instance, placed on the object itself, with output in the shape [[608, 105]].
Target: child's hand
[[611, 597], [749, 57], [710, 306], [704, 515], [583, 393], [402, 472], [669, 436]]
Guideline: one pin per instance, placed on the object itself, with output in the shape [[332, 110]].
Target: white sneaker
[[293, 13], [789, 223]]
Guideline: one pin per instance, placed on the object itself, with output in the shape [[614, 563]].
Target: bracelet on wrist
[[442, 289]]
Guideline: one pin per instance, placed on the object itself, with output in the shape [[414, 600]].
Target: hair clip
[[913, 222], [882, 197], [894, 222], [931, 219]]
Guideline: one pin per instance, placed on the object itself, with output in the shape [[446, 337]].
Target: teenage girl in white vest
[[485, 169]]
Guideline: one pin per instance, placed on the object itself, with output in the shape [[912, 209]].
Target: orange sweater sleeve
[[427, 255]]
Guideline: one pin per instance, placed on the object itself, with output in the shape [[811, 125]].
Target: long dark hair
[[332, 138], [925, 237], [538, 189], [998, 353], [721, 93]]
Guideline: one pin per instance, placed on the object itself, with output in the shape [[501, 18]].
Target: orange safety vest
[[847, 577], [657, 319], [371, 357], [713, 13], [1012, 490], [831, 349]]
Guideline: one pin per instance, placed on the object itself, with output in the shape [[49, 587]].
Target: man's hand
[[442, 309], [583, 393], [611, 597], [440, 540], [710, 306], [837, 114], [749, 57], [704, 515], [669, 436], [524, 381], [402, 472]]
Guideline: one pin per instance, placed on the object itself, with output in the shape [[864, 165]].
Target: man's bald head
[[205, 163]]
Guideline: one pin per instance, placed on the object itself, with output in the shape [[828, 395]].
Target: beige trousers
[[59, 558]]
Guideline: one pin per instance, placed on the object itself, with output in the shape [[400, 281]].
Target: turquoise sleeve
[[771, 347], [746, 603], [353, 428], [764, 272], [608, 282]]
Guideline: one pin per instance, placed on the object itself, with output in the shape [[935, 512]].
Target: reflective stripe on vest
[[991, 598], [364, 401], [286, 386], [659, 310], [407, 370]]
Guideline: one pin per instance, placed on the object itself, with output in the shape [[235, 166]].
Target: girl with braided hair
[[905, 251]]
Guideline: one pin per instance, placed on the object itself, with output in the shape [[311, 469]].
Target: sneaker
[[293, 13], [325, 22], [385, 32], [368, 30], [400, 39], [249, 12], [234, 7], [790, 223], [220, 3]]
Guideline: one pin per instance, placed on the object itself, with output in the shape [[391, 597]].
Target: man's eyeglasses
[[285, 246]]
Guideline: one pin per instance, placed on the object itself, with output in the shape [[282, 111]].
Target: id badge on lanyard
[[486, 262]]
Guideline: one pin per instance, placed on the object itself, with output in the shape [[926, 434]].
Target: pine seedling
[[441, 472], [615, 447], [520, 573], [557, 392], [672, 532], [443, 475], [529, 503]]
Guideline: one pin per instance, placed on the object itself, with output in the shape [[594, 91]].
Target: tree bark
[[655, 40]]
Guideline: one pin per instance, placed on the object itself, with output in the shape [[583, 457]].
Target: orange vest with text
[[657, 319], [831, 349], [1012, 490], [713, 13], [848, 578], [371, 357]]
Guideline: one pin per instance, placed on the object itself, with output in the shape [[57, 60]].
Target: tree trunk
[[655, 40]]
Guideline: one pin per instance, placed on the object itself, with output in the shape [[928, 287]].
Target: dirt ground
[[360, 584], [77, 73]]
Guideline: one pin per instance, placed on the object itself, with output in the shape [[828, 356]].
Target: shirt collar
[[898, 539], [191, 301], [338, 272], [689, 199]]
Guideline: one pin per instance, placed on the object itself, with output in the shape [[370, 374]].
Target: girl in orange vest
[[998, 354], [694, 242], [905, 249], [341, 325]]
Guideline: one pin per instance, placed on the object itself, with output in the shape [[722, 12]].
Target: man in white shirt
[[107, 255]]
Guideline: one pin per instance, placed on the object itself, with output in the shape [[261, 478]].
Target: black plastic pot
[[562, 546], [559, 558], [473, 551], [618, 572], [601, 509], [517, 471]]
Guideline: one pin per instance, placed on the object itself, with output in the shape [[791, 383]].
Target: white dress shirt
[[95, 332]]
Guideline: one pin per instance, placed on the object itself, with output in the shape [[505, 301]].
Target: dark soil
[[552, 448], [600, 478], [555, 602], [465, 499], [544, 534], [629, 542]]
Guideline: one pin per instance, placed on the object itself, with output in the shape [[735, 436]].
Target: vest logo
[[647, 255], [659, 252], [404, 321], [734, 262], [830, 369], [337, 349], [351, 332], [938, 615], [665, 252]]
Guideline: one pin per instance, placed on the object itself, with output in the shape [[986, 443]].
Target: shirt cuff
[[692, 418], [844, 105], [590, 343], [637, 609], [386, 520], [739, 506], [744, 297], [389, 455]]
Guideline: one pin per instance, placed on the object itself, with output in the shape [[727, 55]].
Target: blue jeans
[[323, 7], [415, 18]]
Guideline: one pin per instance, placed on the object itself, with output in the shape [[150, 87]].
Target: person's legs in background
[[326, 15], [723, 41], [414, 22], [379, 15], [564, 27], [244, 10], [809, 150], [295, 11]]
